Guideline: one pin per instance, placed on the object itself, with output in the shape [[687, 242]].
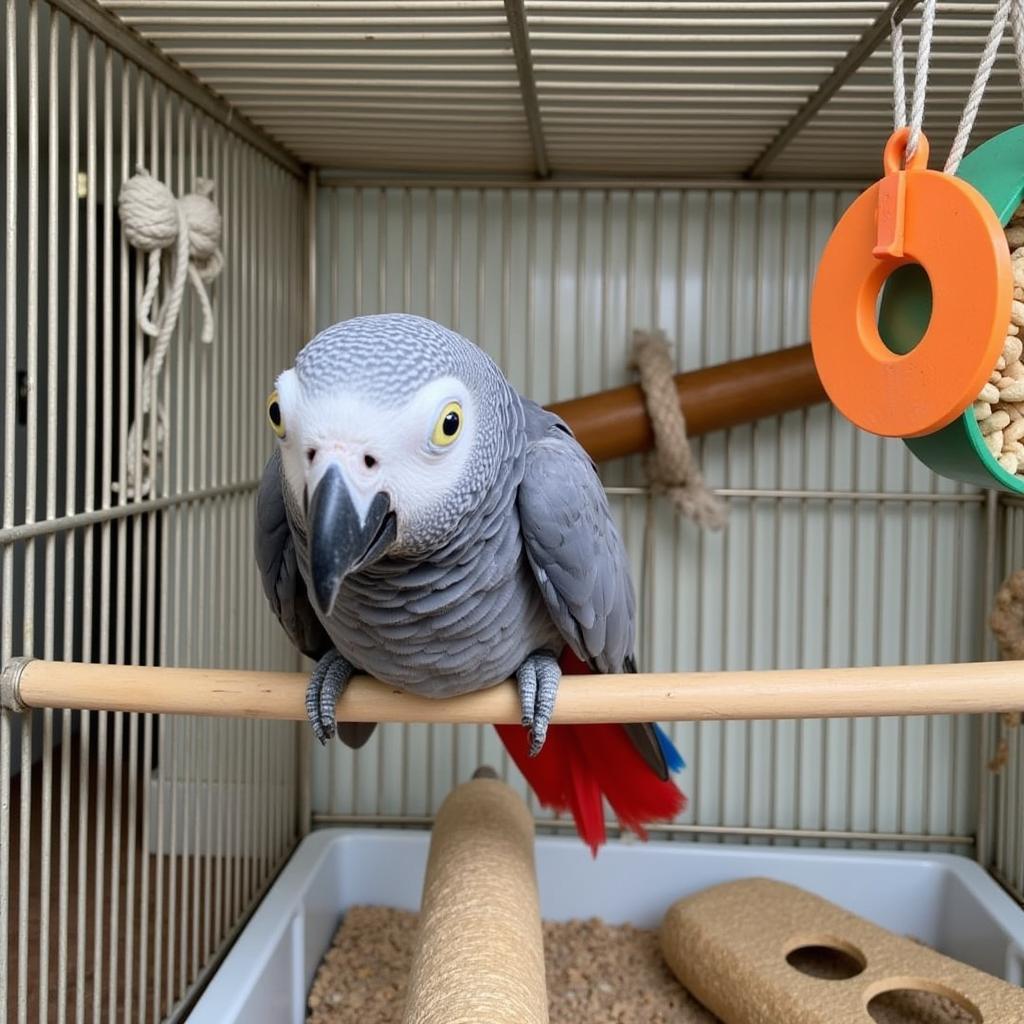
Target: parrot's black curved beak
[[339, 542]]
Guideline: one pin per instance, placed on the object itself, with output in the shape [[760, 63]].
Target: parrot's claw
[[538, 678], [326, 685]]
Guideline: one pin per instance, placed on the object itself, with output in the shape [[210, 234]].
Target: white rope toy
[[154, 220], [1007, 10]]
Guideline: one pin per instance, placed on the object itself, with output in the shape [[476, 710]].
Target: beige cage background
[[543, 177]]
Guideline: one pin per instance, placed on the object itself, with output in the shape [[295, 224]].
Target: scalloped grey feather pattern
[[573, 545]]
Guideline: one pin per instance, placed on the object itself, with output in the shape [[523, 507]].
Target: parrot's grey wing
[[573, 546], [279, 572], [578, 558]]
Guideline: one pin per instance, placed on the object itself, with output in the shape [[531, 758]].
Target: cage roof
[[580, 88]]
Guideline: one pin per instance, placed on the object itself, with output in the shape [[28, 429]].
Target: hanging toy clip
[[892, 191]]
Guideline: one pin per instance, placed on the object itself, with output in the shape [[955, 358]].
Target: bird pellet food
[[999, 408], [596, 973]]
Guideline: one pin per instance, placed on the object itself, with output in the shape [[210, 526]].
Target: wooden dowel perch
[[662, 697], [615, 423]]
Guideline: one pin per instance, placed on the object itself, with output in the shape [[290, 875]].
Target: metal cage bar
[[120, 884]]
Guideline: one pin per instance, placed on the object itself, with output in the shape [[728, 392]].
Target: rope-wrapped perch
[[480, 952]]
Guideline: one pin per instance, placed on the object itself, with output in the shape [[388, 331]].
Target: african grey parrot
[[422, 522]]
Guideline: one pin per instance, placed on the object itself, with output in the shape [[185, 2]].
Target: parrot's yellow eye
[[448, 426], [274, 414]]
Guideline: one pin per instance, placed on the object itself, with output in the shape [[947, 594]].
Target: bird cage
[[544, 177]]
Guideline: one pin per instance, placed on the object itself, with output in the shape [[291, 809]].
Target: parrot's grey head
[[392, 430]]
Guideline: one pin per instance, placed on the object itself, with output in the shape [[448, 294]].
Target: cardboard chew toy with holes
[[734, 945]]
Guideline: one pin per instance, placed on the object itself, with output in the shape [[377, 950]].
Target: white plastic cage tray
[[944, 900]]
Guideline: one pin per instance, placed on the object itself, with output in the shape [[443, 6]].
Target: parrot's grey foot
[[326, 685], [538, 678]]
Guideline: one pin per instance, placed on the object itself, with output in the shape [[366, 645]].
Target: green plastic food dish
[[958, 451]]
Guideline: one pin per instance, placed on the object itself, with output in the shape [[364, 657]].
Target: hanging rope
[[671, 469], [1007, 10], [1007, 618], [153, 221], [899, 83], [1017, 25], [1007, 625], [981, 77], [899, 88]]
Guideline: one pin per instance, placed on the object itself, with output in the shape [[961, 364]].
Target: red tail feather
[[585, 795], [636, 794], [582, 764]]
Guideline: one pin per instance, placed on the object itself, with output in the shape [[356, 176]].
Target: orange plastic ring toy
[[912, 215]]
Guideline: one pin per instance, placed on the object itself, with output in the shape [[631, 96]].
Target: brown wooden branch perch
[[614, 423]]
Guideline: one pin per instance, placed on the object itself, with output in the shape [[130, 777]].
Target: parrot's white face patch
[[379, 448]]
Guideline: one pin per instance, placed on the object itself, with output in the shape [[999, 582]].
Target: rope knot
[[149, 212], [204, 226], [154, 220], [671, 468], [1007, 624]]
